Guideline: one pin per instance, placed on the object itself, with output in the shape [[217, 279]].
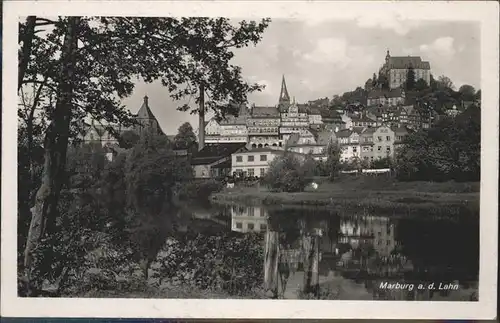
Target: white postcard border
[[484, 12]]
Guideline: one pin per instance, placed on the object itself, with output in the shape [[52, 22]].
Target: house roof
[[325, 137], [362, 118], [400, 130], [145, 112], [212, 153], [404, 62], [259, 150], [265, 112]]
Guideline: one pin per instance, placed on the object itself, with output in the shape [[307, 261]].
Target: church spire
[[284, 96]]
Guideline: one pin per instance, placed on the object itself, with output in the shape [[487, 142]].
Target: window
[[250, 158], [262, 172], [388, 138], [379, 148], [263, 157], [239, 159], [354, 149], [388, 242], [239, 171], [251, 211], [263, 226], [239, 225], [380, 233], [251, 172], [379, 138], [251, 226]]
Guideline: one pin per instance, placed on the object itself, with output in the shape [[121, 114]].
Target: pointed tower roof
[[145, 112], [284, 96]]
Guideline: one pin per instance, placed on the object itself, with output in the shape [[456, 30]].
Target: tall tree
[[185, 138], [444, 82], [89, 64], [467, 92], [421, 85], [410, 79]]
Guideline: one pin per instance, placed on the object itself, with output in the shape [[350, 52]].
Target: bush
[[199, 189], [218, 263], [287, 174]]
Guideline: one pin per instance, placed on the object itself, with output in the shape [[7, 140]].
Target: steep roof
[[212, 153], [404, 62], [344, 133], [265, 112], [325, 137], [284, 96], [145, 112]]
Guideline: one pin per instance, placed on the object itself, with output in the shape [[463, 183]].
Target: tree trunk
[[27, 39], [201, 115], [44, 211], [271, 263], [311, 264]]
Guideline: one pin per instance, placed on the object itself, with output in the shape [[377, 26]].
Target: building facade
[[396, 69], [391, 97], [263, 127]]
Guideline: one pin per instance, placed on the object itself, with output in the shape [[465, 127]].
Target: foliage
[[450, 150], [333, 160], [84, 66], [224, 262], [410, 79], [199, 190], [286, 174], [444, 82], [128, 139], [467, 92], [421, 85], [185, 138], [385, 162]]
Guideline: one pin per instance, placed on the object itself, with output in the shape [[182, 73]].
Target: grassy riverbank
[[370, 194]]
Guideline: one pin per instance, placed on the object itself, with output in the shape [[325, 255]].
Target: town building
[[263, 127], [253, 162], [256, 161], [349, 142], [383, 142], [293, 120], [313, 142], [363, 121], [392, 97], [214, 161], [212, 131], [453, 112], [396, 68], [400, 134]]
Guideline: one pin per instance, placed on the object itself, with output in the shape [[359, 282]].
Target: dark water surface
[[364, 256]]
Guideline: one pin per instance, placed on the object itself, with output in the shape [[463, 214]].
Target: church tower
[[284, 100], [146, 119]]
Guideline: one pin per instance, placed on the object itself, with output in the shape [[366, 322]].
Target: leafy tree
[[85, 65], [478, 95], [185, 138], [385, 162], [128, 139], [286, 174], [448, 151], [374, 80], [421, 85], [333, 159], [445, 82], [383, 81], [152, 172], [467, 92], [410, 79]]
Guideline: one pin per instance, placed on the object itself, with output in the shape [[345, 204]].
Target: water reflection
[[361, 256]]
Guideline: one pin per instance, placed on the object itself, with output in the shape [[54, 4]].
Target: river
[[361, 256]]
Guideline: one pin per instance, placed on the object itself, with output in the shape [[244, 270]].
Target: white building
[[248, 219]]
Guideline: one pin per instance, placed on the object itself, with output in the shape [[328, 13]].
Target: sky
[[323, 58]]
